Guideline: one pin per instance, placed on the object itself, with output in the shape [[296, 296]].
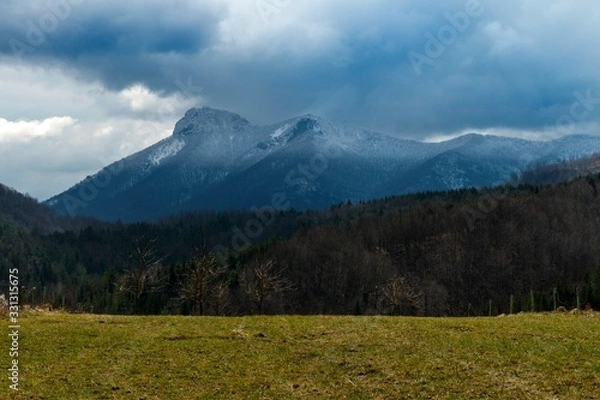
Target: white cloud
[[140, 99], [541, 134], [25, 131]]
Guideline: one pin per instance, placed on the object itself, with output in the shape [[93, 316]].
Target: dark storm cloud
[[117, 42], [408, 67]]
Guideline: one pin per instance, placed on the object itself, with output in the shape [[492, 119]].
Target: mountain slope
[[562, 172], [27, 213], [24, 211], [217, 160]]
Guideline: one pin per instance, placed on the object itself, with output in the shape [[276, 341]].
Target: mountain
[[218, 160]]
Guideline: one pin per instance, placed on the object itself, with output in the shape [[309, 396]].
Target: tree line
[[465, 252]]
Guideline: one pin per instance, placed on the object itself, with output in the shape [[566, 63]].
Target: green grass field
[[539, 356]]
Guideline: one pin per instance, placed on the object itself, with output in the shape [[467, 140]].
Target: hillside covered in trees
[[27, 213], [562, 172], [468, 252]]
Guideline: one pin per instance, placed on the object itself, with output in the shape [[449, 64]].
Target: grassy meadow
[[530, 356]]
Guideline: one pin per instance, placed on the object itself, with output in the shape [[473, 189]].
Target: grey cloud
[[515, 63]]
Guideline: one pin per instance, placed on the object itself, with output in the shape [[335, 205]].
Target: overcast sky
[[84, 83]]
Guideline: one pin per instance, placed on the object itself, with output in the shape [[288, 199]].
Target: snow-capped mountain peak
[[217, 160], [209, 121]]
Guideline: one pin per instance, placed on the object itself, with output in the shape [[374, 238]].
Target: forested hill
[[562, 172], [23, 210], [451, 253], [27, 213]]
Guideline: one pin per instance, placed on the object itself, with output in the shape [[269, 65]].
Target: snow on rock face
[[279, 131], [209, 121], [168, 149]]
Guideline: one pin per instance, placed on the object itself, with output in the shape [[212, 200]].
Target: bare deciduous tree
[[220, 298], [200, 283], [143, 277], [399, 297], [262, 282]]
